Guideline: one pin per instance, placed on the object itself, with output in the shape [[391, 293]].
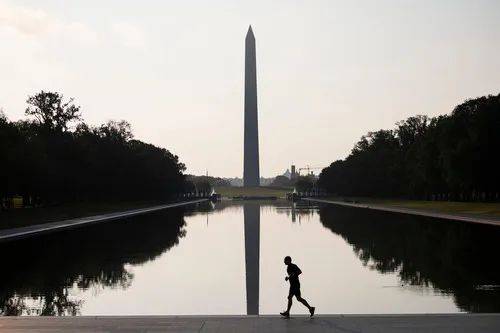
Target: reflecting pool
[[227, 258]]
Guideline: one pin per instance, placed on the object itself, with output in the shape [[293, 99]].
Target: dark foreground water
[[228, 259]]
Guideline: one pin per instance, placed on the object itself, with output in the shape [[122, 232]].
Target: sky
[[327, 71]]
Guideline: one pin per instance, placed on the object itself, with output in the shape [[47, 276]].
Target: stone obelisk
[[251, 176]]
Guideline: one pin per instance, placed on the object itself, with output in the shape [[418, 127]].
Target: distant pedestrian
[[293, 277]]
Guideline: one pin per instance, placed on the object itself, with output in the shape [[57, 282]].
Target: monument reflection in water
[[251, 215]]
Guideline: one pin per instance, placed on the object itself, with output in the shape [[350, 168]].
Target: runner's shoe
[[285, 314]]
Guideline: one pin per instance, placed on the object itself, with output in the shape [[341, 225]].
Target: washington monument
[[251, 175]]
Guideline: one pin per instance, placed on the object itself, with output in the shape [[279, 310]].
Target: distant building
[[294, 172], [291, 175]]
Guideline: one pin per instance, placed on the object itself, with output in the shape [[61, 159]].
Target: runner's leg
[[303, 301], [289, 303]]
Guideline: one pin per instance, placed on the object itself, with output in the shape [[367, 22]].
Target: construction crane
[[309, 168]]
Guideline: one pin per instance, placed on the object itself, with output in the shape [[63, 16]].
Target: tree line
[[204, 184], [300, 183], [53, 156], [449, 157]]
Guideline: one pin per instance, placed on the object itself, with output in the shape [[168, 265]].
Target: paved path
[[15, 233], [242, 324], [455, 217]]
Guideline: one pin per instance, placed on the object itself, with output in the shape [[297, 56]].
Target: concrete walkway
[[455, 217], [242, 324], [38, 229]]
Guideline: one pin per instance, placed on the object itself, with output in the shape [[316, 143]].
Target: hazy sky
[[327, 71]]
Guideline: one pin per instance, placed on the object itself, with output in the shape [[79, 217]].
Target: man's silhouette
[[293, 277]]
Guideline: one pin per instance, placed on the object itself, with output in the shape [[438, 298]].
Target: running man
[[293, 277]]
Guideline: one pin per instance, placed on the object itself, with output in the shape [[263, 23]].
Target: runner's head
[[288, 260]]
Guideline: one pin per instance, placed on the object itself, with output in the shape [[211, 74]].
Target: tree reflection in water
[[453, 257], [38, 273]]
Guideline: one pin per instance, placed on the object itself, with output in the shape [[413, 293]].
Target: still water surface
[[228, 259]]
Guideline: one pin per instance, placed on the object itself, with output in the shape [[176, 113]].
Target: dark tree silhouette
[[451, 157], [304, 183], [281, 181], [46, 162], [50, 110], [206, 183]]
